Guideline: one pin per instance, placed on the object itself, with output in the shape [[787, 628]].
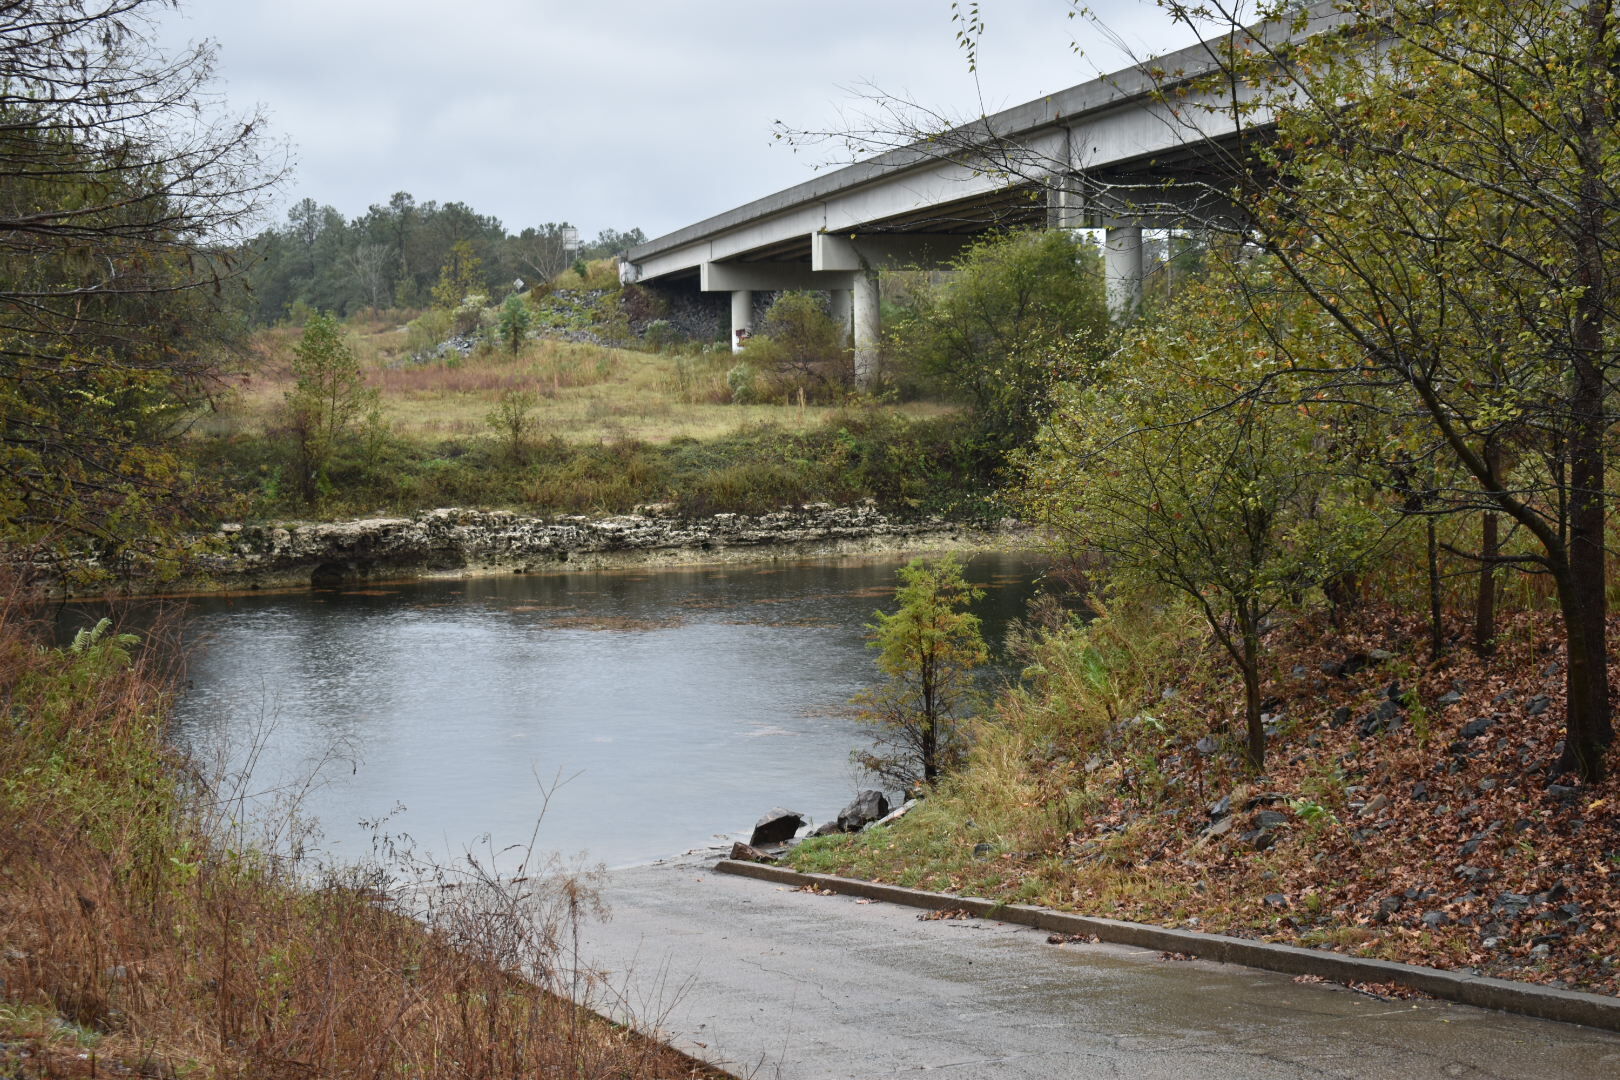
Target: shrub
[[660, 334], [425, 333], [743, 381], [927, 650], [1021, 311], [802, 348]]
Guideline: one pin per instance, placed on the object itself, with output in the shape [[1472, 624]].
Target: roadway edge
[[1528, 999]]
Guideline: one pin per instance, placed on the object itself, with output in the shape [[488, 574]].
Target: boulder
[[777, 826], [896, 814], [826, 828], [1382, 718], [869, 806], [1270, 819], [1258, 839], [744, 853]]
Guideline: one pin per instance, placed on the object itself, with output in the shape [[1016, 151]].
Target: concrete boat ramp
[[771, 982]]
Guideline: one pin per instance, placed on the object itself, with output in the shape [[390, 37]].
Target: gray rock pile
[[450, 540]]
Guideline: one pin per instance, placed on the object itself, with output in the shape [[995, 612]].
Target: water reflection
[[676, 704]]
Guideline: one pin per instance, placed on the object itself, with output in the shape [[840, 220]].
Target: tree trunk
[[1343, 590], [1250, 663], [1583, 591], [1485, 602], [1587, 730], [929, 736], [1437, 627]]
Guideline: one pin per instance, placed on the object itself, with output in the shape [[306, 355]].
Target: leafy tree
[[459, 277], [610, 242], [396, 253], [513, 322], [1180, 484], [928, 650], [328, 401], [1021, 310], [121, 187], [1445, 191]]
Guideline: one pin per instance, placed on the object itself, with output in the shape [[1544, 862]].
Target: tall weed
[[139, 920]]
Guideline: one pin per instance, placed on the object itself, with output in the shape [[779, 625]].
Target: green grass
[[905, 464]]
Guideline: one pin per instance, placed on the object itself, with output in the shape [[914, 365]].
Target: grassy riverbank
[[596, 430], [146, 931], [1430, 835]]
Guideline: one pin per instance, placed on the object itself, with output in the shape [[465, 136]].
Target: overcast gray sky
[[628, 113]]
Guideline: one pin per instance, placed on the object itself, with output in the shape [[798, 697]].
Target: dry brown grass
[[141, 936], [587, 393]]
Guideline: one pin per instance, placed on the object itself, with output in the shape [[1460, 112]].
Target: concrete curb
[[1528, 999]]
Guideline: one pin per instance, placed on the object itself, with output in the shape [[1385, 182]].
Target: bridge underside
[[924, 218]]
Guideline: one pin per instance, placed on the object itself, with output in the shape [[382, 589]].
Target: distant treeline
[[391, 255]]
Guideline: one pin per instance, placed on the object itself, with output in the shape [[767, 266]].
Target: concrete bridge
[[1140, 148]]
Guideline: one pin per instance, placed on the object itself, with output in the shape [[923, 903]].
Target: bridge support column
[[1122, 265], [742, 317], [868, 320], [842, 309]]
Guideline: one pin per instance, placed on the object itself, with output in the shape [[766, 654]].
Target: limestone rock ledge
[[455, 542]]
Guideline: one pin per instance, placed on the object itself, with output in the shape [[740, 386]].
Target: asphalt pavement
[[770, 982]]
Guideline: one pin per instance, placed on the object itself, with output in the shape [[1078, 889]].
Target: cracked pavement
[[769, 982]]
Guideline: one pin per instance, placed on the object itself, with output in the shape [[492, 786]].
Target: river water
[[645, 712]]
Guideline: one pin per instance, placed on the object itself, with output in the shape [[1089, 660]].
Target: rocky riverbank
[[457, 542]]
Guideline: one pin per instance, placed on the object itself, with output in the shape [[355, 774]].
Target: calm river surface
[[674, 705]]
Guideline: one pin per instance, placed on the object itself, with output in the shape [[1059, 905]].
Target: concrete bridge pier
[[842, 310], [742, 317], [862, 256], [1122, 270], [868, 326]]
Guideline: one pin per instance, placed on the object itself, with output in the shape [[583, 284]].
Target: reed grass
[[145, 933]]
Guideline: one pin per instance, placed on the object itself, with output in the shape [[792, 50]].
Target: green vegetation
[[1181, 485], [927, 651], [1020, 315], [118, 180], [396, 254], [513, 323], [547, 426], [842, 456], [1382, 407], [149, 930], [1281, 491], [801, 350], [327, 401]]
